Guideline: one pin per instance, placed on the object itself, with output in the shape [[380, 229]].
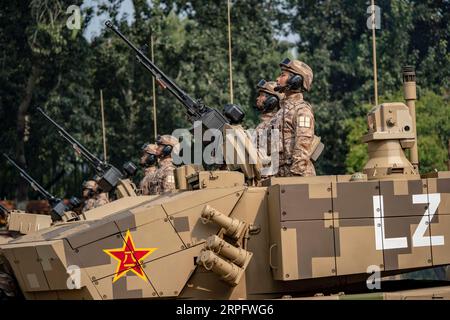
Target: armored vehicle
[[217, 237]]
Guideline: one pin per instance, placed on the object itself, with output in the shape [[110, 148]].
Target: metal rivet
[[284, 228], [427, 223], [331, 227], [96, 283], [188, 245], [93, 279], [287, 275], [175, 292], [161, 293], [330, 211], [283, 213], [381, 265], [165, 220], [333, 270], [118, 236], [328, 189], [283, 191], [429, 260], [426, 207], [424, 185], [378, 209], [182, 247], [153, 293], [379, 225], [105, 296], [76, 250], [171, 218], [377, 187]]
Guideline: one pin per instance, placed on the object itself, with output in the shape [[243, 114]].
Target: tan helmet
[[150, 148], [168, 143], [269, 87], [91, 185], [167, 140], [300, 68]]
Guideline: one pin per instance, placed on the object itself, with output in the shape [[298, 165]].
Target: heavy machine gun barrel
[[197, 111], [58, 205], [99, 165], [108, 175]]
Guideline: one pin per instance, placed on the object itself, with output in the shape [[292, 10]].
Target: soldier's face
[[143, 159], [283, 78], [86, 193], [260, 100]]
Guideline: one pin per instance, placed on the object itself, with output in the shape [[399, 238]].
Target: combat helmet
[[273, 97], [168, 143], [91, 185], [150, 155], [302, 74]]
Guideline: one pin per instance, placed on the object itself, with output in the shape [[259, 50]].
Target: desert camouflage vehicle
[[216, 237]]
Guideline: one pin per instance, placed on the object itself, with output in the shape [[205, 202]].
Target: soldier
[[93, 198], [295, 120], [149, 160], [267, 103], [165, 179]]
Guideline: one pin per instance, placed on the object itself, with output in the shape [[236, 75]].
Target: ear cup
[[150, 160], [270, 103], [295, 82], [166, 151]]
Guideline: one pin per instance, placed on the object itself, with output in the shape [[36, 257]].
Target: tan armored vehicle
[[216, 237]]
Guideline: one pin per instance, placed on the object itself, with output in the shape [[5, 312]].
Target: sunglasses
[[261, 83]]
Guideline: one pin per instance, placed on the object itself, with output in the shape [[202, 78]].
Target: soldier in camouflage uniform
[[164, 177], [93, 198], [295, 120], [149, 161], [267, 103]]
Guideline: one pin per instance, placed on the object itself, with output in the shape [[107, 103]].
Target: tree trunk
[[22, 185]]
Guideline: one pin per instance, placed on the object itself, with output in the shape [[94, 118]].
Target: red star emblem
[[129, 258]]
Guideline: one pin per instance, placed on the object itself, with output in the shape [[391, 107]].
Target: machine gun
[[210, 118], [196, 109], [59, 208], [108, 176]]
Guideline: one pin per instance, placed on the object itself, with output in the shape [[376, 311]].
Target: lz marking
[[418, 238]]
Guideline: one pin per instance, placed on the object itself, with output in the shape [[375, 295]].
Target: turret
[[391, 130]]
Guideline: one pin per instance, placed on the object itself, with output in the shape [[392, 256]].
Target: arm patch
[[304, 122]]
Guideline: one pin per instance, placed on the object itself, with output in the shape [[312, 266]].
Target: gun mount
[[108, 177]]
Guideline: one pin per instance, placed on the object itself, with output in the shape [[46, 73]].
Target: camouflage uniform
[[164, 177], [145, 183], [295, 120], [265, 121], [150, 171], [94, 200]]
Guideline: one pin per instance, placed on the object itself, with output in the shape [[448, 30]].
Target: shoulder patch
[[304, 121]]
